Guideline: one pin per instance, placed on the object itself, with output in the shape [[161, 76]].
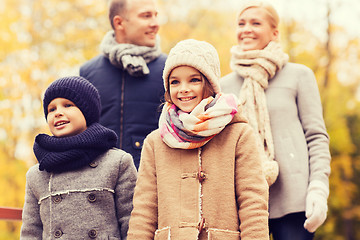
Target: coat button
[[58, 233], [92, 233], [201, 175], [137, 144], [93, 164], [91, 197], [57, 199]]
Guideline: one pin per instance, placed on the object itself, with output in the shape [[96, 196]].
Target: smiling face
[[186, 86], [254, 31], [140, 25], [64, 118]]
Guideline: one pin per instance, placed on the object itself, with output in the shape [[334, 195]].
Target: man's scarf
[[130, 57]]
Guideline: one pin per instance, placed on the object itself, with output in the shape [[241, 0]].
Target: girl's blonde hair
[[270, 10]]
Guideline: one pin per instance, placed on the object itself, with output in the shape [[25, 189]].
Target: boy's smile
[[65, 118], [60, 123]]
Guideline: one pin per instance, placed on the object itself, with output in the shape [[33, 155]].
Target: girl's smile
[[186, 87], [186, 99]]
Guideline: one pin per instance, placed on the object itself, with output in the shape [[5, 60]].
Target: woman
[[282, 103]]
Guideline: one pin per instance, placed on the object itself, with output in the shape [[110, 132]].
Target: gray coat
[[93, 202], [300, 138]]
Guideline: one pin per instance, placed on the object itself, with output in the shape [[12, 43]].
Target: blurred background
[[41, 41]]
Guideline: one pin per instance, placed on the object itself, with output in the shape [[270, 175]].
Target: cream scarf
[[129, 57], [257, 67]]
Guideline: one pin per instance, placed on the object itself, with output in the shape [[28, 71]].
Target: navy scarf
[[70, 153]]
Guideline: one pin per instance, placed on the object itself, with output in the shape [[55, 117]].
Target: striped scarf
[[179, 129]]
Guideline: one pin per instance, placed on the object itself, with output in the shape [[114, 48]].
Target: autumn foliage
[[44, 40]]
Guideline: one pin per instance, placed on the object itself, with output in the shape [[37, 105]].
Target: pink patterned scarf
[[183, 130]]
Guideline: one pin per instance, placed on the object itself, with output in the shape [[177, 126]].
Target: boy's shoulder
[[115, 156], [116, 152], [33, 169], [34, 175]]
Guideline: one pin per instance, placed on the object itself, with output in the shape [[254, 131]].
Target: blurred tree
[[333, 61], [43, 40], [40, 41], [215, 27]]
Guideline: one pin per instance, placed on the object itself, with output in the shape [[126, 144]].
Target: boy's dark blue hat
[[78, 90]]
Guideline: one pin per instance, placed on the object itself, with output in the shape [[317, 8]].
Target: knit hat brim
[[197, 54], [78, 90]]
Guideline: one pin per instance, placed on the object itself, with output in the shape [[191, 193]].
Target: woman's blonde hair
[[270, 10]]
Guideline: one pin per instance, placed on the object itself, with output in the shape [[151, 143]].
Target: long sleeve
[[311, 116], [144, 217], [124, 192], [317, 139], [32, 227], [251, 189]]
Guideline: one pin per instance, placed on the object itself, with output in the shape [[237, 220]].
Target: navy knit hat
[[78, 90]]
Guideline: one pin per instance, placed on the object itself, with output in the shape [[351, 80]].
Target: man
[[128, 73]]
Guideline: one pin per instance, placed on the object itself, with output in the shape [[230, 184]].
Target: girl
[[288, 119], [200, 174]]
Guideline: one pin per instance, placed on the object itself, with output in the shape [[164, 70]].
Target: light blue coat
[[300, 138]]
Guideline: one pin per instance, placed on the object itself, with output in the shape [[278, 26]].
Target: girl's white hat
[[200, 55]]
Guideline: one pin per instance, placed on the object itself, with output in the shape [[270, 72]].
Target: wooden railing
[[8, 213]]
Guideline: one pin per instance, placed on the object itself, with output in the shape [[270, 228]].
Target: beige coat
[[170, 201]]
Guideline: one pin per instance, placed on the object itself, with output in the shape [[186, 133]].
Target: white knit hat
[[197, 54]]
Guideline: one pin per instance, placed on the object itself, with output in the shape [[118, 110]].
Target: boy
[[82, 187]]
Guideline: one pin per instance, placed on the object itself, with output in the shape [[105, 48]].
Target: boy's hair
[[78, 90], [197, 54]]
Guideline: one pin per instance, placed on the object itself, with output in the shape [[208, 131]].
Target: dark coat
[[130, 105]]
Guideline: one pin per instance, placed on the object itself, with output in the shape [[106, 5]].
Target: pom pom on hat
[[78, 90], [197, 54]]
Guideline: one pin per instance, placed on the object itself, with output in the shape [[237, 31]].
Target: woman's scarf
[[61, 154], [257, 67], [130, 57], [179, 129]]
